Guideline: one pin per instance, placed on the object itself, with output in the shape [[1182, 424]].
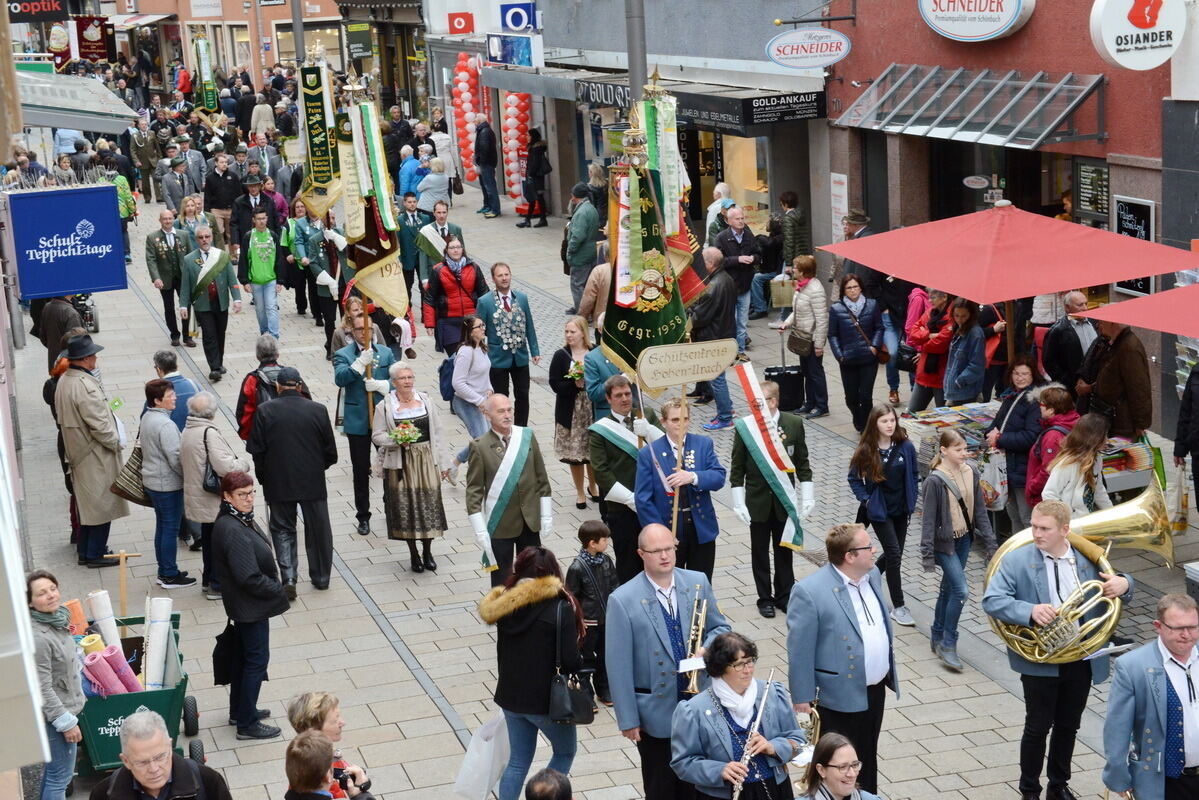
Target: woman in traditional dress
[[573, 413], [411, 442]]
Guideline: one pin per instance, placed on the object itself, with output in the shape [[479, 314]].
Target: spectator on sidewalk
[[713, 317], [855, 335], [166, 366], [61, 689], [809, 316], [1067, 341], [150, 768], [1058, 418], [967, 360], [321, 712], [1122, 390], [162, 478], [1076, 474], [719, 221], [742, 257], [538, 167], [580, 242], [597, 184], [771, 245], [58, 316], [930, 335], [720, 192], [487, 158]]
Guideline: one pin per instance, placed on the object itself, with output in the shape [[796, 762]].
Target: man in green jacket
[[261, 259], [580, 241], [166, 249], [209, 285]]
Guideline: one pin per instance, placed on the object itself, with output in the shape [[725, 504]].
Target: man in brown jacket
[[1122, 390], [92, 438]]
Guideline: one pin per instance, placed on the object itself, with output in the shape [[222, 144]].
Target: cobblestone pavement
[[407, 655]]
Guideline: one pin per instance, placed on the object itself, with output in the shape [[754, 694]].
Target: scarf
[[801, 283], [856, 307], [824, 794], [596, 560], [59, 619], [937, 318], [963, 477], [741, 707], [245, 518], [455, 266]]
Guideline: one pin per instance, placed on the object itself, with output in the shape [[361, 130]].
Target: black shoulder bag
[[571, 702]]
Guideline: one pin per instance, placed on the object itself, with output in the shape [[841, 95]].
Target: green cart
[[101, 717]]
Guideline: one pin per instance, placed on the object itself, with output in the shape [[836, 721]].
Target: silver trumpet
[[745, 757]]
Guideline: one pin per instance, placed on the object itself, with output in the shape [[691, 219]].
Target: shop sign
[[1134, 217], [462, 22], [839, 195], [36, 10], [206, 8], [976, 20], [61, 252], [1142, 37], [516, 49], [976, 182], [358, 39], [519, 17], [808, 48], [736, 114], [784, 108], [602, 93]]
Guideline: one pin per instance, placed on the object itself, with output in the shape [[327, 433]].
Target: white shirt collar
[[774, 418], [1067, 556], [865, 579], [618, 417], [1167, 656]]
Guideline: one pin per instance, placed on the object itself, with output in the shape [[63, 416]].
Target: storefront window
[[327, 34], [745, 171], [239, 36]]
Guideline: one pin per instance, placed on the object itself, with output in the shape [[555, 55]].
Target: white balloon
[[464, 76], [510, 124], [512, 100], [511, 112], [467, 108], [470, 127], [466, 95], [463, 86]]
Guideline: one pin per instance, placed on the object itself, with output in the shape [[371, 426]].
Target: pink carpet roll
[[116, 661], [101, 674]]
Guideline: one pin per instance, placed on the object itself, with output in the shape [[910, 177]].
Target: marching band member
[[713, 732], [833, 771], [1028, 588], [839, 644], [648, 627], [1151, 733]]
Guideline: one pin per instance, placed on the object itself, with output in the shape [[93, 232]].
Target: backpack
[[445, 378], [264, 386], [1037, 446]]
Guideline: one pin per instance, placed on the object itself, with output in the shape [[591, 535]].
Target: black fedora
[[81, 347]]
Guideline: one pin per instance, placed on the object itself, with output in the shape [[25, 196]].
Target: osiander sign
[[1138, 34], [976, 20]]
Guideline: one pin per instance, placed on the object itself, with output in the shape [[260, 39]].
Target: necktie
[[1190, 685], [1057, 582], [505, 440], [443, 232], [507, 305], [865, 608], [628, 422], [253, 202]]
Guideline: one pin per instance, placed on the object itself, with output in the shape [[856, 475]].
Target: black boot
[[527, 222], [427, 546], [417, 565]]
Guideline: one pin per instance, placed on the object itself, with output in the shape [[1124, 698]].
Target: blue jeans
[[891, 333], [759, 299], [61, 766], [724, 403], [491, 196], [742, 320], [266, 306], [92, 541], [953, 592], [168, 513], [473, 419], [522, 743]]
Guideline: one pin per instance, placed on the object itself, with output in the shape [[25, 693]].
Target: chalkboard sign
[[1091, 187], [1134, 217]]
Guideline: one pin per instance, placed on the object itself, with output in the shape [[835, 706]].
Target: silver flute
[[745, 758]]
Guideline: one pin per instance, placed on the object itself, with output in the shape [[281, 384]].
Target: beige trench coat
[[89, 433], [199, 505]]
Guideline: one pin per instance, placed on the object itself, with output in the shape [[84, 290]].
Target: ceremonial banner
[[376, 166], [355, 212], [430, 243], [379, 274], [322, 185], [772, 444], [205, 95]]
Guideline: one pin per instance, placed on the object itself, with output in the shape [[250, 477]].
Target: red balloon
[[471, 175], [523, 117], [456, 92]]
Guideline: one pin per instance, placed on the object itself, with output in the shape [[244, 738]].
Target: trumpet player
[[1151, 732], [741, 732], [651, 630], [1028, 588], [839, 642]]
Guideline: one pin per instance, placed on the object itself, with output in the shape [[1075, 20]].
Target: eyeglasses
[[156, 761], [744, 664], [852, 766], [660, 550], [855, 549], [1190, 630], [246, 493]]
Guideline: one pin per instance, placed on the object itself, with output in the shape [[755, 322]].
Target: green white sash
[[778, 481], [429, 240], [503, 485], [621, 436], [212, 264]]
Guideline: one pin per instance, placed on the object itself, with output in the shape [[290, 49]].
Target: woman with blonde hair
[[597, 184], [573, 413], [321, 711], [433, 187], [809, 319], [1076, 475]]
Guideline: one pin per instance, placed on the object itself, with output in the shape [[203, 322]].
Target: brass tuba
[[1139, 524]]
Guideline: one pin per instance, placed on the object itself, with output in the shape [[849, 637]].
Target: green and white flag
[[778, 480]]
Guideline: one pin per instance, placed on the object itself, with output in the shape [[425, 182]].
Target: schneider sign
[[1138, 34], [808, 48], [976, 20]]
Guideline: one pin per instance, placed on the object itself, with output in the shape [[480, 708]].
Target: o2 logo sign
[[518, 17]]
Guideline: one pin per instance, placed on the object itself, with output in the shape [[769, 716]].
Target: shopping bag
[[486, 757], [1178, 501], [993, 480]]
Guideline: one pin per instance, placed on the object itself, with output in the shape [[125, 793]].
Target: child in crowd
[[591, 579]]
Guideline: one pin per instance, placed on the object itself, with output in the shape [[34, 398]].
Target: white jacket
[[1047, 308], [1066, 483], [809, 312]]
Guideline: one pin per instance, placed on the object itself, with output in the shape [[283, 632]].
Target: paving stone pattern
[[407, 655]]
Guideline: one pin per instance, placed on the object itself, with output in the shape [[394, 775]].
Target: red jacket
[[450, 296], [935, 344], [1043, 451]]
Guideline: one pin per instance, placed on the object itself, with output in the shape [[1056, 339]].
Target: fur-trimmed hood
[[1035, 395], [501, 602]]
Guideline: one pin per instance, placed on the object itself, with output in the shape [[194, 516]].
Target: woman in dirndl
[[411, 442], [573, 413]]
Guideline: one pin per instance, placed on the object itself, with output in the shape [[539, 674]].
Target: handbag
[[128, 483], [212, 481], [906, 357], [990, 346], [881, 352], [571, 702], [225, 655], [456, 185], [800, 342]]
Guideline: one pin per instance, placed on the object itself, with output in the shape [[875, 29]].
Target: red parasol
[[1172, 311]]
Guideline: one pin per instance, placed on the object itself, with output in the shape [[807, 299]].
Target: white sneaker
[[901, 616]]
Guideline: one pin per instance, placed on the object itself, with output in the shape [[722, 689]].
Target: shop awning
[[553, 82], [66, 101], [1006, 108], [127, 22], [1172, 311]]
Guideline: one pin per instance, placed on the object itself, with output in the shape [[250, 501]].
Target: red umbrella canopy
[[1172, 311], [1004, 253]]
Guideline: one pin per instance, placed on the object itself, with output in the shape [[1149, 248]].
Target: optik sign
[[67, 241], [808, 48]]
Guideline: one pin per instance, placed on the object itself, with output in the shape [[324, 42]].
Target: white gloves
[[364, 360], [478, 525], [642, 428], [377, 385], [338, 240], [739, 507], [807, 493], [328, 281], [547, 517], [619, 493]]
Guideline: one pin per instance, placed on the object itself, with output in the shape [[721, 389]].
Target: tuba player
[[1027, 589]]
